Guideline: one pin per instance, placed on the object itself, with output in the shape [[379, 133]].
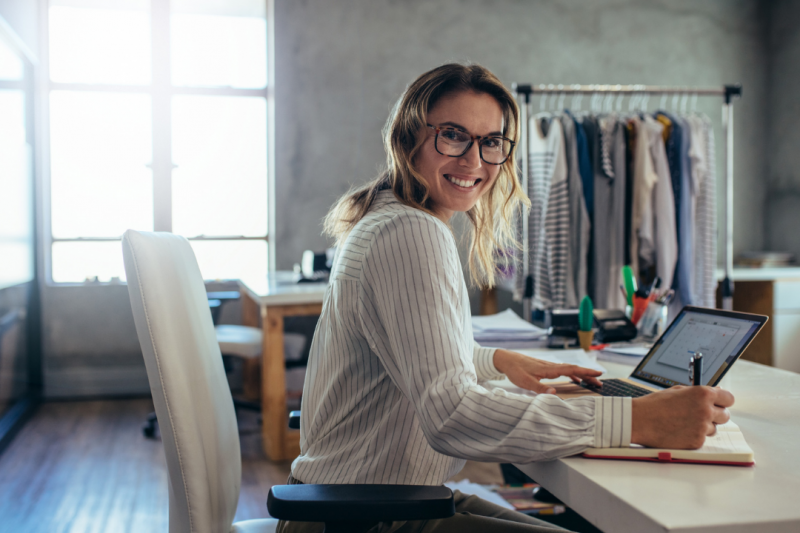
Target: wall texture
[[341, 64], [782, 132]]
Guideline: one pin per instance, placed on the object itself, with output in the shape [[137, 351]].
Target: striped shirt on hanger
[[393, 390], [548, 224]]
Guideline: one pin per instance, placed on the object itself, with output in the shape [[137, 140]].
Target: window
[[16, 182], [158, 122]]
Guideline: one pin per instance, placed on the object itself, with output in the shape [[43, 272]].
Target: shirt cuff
[[612, 427], [483, 358]]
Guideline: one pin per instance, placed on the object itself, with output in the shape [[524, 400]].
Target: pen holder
[[585, 339], [653, 321]]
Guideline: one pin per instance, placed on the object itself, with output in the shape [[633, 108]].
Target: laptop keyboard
[[617, 387]]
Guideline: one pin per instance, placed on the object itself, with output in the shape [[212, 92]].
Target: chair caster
[[149, 429]]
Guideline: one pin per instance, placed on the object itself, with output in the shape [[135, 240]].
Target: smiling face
[[456, 183]]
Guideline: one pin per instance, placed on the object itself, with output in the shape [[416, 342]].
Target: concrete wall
[[783, 133], [341, 64]]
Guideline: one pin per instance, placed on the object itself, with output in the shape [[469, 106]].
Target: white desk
[[627, 496], [277, 297]]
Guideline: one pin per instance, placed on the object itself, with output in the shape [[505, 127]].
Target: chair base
[[149, 429], [151, 426]]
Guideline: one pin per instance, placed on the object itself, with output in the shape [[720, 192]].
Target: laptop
[[721, 336]]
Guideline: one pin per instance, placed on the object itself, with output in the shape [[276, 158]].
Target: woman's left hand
[[525, 372]]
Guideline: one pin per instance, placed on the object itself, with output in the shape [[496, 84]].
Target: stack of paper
[[624, 353], [505, 329]]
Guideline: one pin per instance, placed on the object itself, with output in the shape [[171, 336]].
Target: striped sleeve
[[483, 358], [613, 422], [412, 315]]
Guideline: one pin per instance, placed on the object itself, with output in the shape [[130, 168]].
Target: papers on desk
[[505, 330], [467, 487], [624, 353]]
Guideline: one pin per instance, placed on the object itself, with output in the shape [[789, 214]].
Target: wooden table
[[268, 303], [626, 496]]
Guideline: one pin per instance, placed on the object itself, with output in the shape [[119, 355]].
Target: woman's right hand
[[679, 417]]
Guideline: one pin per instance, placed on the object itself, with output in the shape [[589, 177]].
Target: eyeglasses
[[453, 142]]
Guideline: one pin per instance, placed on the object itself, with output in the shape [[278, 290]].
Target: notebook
[[727, 447], [721, 336]]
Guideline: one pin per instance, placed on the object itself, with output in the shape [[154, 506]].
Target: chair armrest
[[294, 420], [379, 503]]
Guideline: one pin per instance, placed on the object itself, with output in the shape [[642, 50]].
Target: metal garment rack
[[524, 92]]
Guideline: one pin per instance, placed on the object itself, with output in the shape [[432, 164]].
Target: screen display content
[[719, 338]]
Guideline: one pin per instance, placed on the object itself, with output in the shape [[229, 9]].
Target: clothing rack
[[728, 92]]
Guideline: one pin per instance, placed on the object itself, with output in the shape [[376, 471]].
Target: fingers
[[570, 370], [541, 388], [723, 397], [720, 415], [532, 383]]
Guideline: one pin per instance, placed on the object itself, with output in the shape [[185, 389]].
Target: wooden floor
[[84, 467]]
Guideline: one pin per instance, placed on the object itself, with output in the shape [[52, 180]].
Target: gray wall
[[341, 64], [783, 133]]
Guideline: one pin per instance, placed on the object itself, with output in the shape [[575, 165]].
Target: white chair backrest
[[187, 380]]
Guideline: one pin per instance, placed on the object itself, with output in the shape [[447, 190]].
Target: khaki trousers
[[473, 515]]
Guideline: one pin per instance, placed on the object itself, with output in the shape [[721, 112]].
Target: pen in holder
[[654, 320], [639, 307]]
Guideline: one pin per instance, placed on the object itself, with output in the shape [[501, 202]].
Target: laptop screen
[[721, 336]]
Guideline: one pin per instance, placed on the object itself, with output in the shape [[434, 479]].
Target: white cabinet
[[786, 335], [786, 328]]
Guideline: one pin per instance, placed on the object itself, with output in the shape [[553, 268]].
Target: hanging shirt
[[585, 165], [392, 392], [548, 225], [644, 178], [608, 224], [580, 225], [705, 226], [677, 148], [658, 240]]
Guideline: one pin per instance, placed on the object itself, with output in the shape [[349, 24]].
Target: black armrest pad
[[379, 503], [294, 420]]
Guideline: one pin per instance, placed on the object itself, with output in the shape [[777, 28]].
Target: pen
[[696, 368]]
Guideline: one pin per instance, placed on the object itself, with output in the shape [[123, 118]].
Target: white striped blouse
[[393, 389]]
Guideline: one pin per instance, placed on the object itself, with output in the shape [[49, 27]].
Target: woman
[[392, 392]]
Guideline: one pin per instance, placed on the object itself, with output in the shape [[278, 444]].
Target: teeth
[[460, 183]]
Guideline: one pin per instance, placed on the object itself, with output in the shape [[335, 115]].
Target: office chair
[[234, 341], [198, 424]]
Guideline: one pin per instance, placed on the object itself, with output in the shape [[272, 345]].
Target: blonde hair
[[491, 218]]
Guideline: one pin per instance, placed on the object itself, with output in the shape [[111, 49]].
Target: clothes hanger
[[576, 101], [633, 102]]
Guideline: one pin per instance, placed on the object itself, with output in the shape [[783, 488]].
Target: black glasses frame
[[473, 138]]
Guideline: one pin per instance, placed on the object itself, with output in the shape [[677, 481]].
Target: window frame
[[161, 92]]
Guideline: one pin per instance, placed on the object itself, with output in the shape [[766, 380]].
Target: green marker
[[630, 283]]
